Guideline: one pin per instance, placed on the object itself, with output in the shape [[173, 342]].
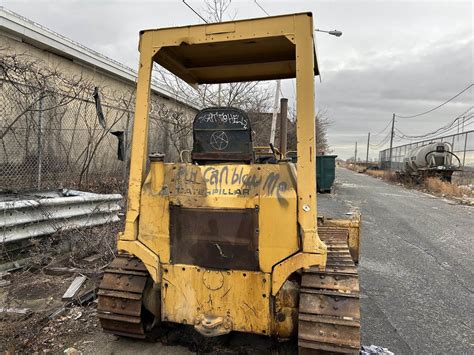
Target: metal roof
[[242, 50], [30, 32]]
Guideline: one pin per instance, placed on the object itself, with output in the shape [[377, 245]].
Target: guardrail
[[28, 215]]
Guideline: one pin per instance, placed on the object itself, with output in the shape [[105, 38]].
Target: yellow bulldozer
[[226, 243]]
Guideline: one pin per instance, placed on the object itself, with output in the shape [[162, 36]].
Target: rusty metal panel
[[239, 299], [332, 281], [329, 334], [129, 283], [222, 134], [329, 303], [214, 238], [128, 263], [119, 305]]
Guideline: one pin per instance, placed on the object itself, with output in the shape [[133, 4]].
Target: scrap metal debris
[[14, 311], [73, 289], [375, 350]]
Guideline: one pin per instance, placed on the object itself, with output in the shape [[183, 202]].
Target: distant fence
[[462, 144]]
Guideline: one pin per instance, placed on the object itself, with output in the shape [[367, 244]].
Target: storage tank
[[433, 159]]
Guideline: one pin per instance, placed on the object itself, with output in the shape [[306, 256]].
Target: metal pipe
[[283, 127], [275, 112], [40, 142]]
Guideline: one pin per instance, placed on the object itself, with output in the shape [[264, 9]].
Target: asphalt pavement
[[416, 267]]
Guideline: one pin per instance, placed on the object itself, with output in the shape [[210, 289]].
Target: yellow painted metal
[[306, 144], [157, 176], [147, 256], [298, 261], [258, 49], [191, 295], [269, 187], [139, 138], [183, 49], [248, 50]]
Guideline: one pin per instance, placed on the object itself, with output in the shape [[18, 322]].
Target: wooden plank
[[74, 288]]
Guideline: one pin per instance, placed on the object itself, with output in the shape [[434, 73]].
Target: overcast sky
[[394, 56]]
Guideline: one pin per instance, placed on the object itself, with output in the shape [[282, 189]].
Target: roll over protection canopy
[[246, 50]]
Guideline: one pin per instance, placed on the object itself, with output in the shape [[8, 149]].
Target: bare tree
[[322, 124], [216, 10], [34, 83]]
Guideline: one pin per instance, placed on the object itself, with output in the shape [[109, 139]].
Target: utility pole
[[355, 154], [367, 156], [275, 112], [391, 142]]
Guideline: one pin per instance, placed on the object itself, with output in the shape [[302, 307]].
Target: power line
[[383, 141], [445, 134], [442, 129], [449, 130], [437, 107], [261, 7], [388, 124], [197, 13]]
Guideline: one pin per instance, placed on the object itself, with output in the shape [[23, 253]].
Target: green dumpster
[[325, 172]]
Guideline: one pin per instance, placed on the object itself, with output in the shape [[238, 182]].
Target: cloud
[[363, 98], [394, 56]]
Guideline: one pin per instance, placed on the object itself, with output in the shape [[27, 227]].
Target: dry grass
[[376, 173], [382, 174], [443, 188], [355, 167]]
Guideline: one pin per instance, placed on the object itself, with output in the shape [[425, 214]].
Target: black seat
[[222, 134]]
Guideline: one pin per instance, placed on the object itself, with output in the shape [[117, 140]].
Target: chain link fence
[[48, 140], [51, 134]]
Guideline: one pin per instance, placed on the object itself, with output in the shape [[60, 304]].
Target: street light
[[333, 33]]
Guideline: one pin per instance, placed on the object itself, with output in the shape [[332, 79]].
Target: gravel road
[[416, 268]]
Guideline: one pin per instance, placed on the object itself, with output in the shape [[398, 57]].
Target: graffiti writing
[[227, 181], [223, 117]]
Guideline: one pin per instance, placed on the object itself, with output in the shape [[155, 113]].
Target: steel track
[[120, 308], [329, 313]]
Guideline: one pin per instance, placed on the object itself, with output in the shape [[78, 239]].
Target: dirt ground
[[53, 325]]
